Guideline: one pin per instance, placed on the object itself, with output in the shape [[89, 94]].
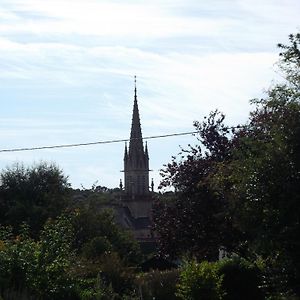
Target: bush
[[114, 271], [241, 279], [39, 267], [159, 285], [200, 281], [32, 194], [96, 232], [17, 258], [96, 247], [96, 289]]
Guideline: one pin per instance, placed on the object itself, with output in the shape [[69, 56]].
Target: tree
[[248, 178], [32, 194], [39, 267], [196, 221], [262, 180], [200, 282], [96, 233]]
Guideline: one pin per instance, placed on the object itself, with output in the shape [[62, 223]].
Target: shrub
[[200, 281], [39, 267], [17, 258], [241, 279], [159, 285], [96, 247], [114, 271], [96, 289]]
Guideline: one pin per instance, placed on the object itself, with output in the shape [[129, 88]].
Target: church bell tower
[[136, 158]]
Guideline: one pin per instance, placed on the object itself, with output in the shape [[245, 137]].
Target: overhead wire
[[94, 143]]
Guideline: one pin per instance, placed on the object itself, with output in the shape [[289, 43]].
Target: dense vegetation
[[57, 243], [236, 190]]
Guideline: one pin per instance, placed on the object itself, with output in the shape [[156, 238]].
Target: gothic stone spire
[[136, 160], [136, 139]]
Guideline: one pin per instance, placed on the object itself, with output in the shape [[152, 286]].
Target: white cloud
[[185, 86], [69, 66], [143, 20]]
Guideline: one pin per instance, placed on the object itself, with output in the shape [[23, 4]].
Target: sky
[[67, 72]]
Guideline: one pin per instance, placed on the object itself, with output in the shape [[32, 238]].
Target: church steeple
[[136, 139], [136, 159]]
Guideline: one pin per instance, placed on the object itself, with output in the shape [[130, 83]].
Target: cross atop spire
[[135, 96]]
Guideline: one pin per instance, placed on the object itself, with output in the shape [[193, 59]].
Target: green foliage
[[96, 247], [241, 279], [196, 221], [114, 271], [290, 60], [275, 281], [17, 258], [86, 255], [32, 195], [262, 180], [96, 232], [40, 266], [16, 295], [159, 285], [200, 281], [54, 259], [240, 187], [98, 291]]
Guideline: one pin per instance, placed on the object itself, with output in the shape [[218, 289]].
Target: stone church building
[[136, 198]]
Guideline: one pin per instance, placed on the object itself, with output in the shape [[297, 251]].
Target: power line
[[94, 143]]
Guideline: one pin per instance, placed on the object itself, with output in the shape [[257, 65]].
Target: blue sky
[[67, 68]]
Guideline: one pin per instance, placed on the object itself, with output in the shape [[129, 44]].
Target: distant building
[[131, 203], [136, 158], [136, 197]]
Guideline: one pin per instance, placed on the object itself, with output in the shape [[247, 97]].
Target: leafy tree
[[96, 233], [200, 281], [196, 221], [40, 267], [17, 255], [290, 60], [241, 279], [32, 195], [159, 285], [262, 180], [51, 279], [249, 178], [264, 176]]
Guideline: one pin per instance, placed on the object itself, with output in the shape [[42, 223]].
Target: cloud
[[168, 82], [133, 20], [67, 67]]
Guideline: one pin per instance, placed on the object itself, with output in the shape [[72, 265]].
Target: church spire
[[136, 158], [136, 140]]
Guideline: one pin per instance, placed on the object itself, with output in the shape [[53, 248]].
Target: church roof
[[137, 223]]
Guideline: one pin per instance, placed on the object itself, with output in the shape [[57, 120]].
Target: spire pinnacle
[[135, 96], [136, 140]]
